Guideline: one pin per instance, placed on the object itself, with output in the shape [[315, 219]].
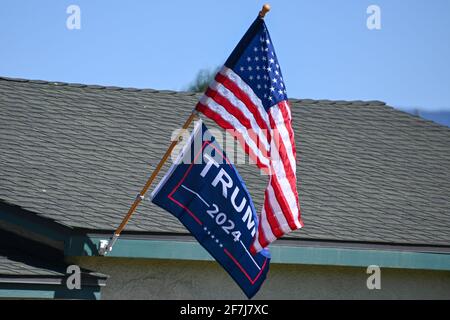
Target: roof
[[16, 264], [78, 154]]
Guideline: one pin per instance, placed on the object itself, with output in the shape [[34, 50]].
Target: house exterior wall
[[177, 279]]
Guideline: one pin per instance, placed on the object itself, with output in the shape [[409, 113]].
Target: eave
[[283, 252], [85, 243]]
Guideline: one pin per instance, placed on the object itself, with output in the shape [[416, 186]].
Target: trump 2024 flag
[[205, 192]]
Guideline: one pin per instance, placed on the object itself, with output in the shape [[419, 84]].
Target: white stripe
[[193, 192], [227, 94], [249, 254], [217, 108], [256, 245], [232, 76], [267, 230], [277, 211]]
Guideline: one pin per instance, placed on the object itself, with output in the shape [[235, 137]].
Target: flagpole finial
[[264, 10]]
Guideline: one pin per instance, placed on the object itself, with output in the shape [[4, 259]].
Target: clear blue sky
[[324, 46]]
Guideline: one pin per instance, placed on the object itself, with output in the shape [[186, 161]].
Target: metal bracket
[[139, 196], [106, 245], [102, 247]]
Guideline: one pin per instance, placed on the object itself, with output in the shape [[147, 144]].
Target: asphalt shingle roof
[[15, 264], [79, 154]]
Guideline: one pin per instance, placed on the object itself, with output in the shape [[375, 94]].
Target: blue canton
[[258, 66]]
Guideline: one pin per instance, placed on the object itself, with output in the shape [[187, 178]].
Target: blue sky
[[324, 47]]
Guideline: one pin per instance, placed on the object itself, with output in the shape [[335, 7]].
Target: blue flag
[[205, 192]]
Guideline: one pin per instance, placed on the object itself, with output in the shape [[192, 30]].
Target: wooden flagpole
[[105, 249]]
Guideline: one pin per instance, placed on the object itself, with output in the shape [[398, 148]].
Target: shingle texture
[[79, 154], [21, 266]]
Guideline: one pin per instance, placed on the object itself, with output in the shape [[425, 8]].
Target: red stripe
[[260, 237], [241, 95], [240, 116], [236, 111], [214, 116], [252, 281], [271, 218], [226, 125], [262, 240], [187, 210]]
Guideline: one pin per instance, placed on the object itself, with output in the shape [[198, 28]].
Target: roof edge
[[29, 225], [419, 247], [48, 232], [189, 93]]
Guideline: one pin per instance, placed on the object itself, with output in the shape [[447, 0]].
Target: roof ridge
[[91, 86], [339, 102], [191, 93]]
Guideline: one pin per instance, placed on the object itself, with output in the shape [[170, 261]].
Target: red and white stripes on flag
[[267, 136]]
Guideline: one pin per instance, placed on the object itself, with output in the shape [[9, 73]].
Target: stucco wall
[[171, 279]]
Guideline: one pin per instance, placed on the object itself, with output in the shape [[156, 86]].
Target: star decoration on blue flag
[[259, 68]]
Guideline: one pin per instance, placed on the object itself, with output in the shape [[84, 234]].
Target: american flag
[[248, 98]]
